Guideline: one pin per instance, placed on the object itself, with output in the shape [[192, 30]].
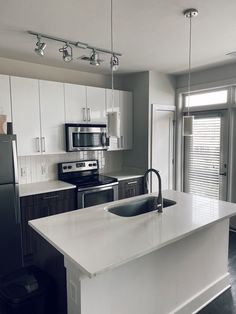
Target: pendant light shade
[[188, 125], [113, 119], [188, 120]]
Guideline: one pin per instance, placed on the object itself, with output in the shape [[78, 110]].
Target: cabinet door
[[126, 118], [130, 188], [114, 141], [5, 99], [52, 117], [75, 103], [96, 105], [25, 114]]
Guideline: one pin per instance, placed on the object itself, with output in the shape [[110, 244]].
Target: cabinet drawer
[[130, 188]]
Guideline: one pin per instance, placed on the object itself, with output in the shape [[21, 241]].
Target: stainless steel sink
[[138, 207]]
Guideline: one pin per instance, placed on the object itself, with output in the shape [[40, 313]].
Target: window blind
[[203, 157]]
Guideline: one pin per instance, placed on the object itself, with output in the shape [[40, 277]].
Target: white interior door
[[52, 117], [162, 147], [206, 155]]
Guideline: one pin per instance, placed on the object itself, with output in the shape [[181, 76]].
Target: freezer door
[[10, 232], [8, 163]]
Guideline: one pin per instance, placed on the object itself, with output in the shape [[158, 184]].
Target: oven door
[[95, 196]]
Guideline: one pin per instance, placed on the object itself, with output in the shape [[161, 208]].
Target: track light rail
[[77, 44]]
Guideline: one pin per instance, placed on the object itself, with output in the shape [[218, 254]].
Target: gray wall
[[139, 84], [161, 88], [220, 73], [45, 72], [148, 88]]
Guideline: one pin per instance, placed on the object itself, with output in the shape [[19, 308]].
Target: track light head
[[40, 47], [114, 62], [94, 59], [66, 53]]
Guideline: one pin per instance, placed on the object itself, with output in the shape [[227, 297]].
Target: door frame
[[153, 108], [224, 113]]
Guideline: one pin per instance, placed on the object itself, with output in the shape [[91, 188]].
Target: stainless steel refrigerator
[[10, 227]]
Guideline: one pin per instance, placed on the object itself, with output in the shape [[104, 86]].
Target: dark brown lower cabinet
[[42, 205], [130, 187]]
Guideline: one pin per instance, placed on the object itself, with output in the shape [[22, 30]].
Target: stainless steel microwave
[[86, 137]]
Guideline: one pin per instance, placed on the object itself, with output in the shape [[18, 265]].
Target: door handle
[[37, 145], [84, 114], [223, 174]]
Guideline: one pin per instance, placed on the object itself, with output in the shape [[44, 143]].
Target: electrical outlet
[[23, 172], [44, 169]]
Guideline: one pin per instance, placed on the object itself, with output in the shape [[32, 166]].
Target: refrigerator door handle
[[15, 162], [17, 205]]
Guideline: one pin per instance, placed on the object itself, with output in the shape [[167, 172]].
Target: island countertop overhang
[[97, 241]]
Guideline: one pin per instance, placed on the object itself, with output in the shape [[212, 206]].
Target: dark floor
[[226, 302]]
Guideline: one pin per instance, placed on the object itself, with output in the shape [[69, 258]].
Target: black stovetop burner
[[83, 174]]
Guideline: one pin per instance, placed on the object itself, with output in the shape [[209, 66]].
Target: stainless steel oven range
[[92, 187]]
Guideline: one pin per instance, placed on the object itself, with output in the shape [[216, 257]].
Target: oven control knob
[[90, 165], [94, 164], [64, 167], [69, 167]]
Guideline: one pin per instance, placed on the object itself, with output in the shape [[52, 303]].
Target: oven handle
[[98, 188]]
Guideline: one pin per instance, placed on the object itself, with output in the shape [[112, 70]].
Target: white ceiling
[[151, 34]]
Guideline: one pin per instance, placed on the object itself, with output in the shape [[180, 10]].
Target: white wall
[[44, 167], [45, 72]]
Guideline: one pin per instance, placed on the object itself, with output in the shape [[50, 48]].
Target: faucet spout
[[159, 204]]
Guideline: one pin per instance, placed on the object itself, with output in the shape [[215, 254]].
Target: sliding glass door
[[205, 155]]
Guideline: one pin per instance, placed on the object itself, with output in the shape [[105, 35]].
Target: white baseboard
[[204, 297]]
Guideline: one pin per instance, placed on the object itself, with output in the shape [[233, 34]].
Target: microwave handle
[[104, 139]]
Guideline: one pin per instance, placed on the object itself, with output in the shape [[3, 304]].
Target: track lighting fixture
[[94, 59], [40, 47], [66, 52], [114, 62]]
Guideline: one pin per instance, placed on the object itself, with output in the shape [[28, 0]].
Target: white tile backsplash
[[44, 167]]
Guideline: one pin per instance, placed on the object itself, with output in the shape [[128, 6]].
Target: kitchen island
[[170, 262]]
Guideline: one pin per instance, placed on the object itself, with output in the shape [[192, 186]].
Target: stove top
[[83, 174]]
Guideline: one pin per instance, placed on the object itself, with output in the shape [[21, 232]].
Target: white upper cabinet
[[25, 115], [75, 103], [123, 104], [5, 98], [52, 110], [96, 105], [126, 112]]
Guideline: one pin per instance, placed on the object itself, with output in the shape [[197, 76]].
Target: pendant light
[[188, 120], [113, 117]]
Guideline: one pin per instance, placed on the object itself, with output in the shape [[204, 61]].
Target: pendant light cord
[[189, 61], [112, 50]]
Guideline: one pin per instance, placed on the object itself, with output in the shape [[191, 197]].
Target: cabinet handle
[[84, 114], [43, 144], [89, 114], [122, 141], [50, 197], [133, 182], [37, 145]]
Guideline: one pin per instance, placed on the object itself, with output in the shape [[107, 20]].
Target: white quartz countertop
[[43, 187], [126, 175], [96, 240]]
